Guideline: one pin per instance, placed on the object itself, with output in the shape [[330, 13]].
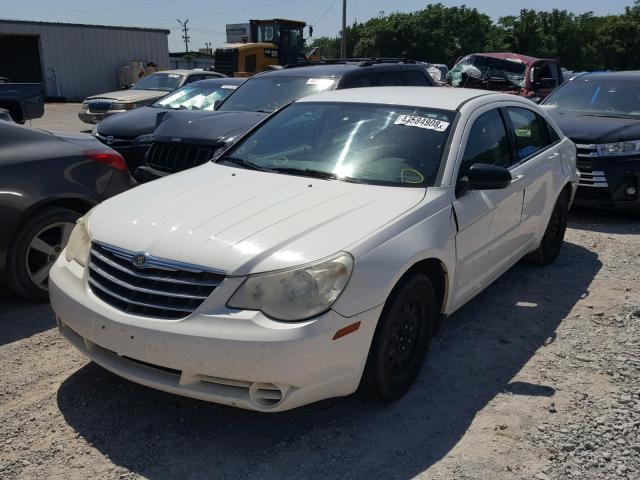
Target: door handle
[[553, 155], [517, 178]]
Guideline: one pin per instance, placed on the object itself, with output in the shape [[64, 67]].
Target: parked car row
[[163, 140], [303, 236]]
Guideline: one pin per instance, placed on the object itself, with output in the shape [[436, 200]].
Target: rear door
[[537, 163], [489, 221]]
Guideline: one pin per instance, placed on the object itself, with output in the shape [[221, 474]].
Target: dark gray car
[[47, 181]]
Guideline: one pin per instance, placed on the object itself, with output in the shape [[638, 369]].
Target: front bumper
[[604, 183], [237, 358], [88, 116]]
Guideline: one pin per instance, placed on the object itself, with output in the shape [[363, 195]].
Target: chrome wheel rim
[[44, 249]]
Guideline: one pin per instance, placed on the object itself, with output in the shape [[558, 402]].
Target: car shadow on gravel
[[21, 318], [477, 354], [604, 221]]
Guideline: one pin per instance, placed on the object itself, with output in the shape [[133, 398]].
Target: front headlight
[[144, 139], [295, 294], [122, 106], [619, 148], [79, 242]]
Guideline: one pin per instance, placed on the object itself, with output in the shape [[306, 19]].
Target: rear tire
[[553, 237], [34, 249], [401, 340]]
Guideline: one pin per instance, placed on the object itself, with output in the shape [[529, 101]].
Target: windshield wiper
[[242, 163], [309, 172]]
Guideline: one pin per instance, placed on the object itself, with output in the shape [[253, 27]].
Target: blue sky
[[207, 18]]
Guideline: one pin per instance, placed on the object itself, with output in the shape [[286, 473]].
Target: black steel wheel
[[401, 340], [553, 238]]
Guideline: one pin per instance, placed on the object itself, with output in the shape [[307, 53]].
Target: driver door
[[489, 221]]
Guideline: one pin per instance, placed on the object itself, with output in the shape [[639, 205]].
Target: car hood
[[132, 95], [584, 129], [131, 124], [244, 221], [205, 127]]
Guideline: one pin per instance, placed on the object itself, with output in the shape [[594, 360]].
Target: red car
[[522, 75]]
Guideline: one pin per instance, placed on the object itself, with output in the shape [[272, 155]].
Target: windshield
[[585, 96], [166, 82], [195, 96], [474, 70], [270, 93], [383, 145]]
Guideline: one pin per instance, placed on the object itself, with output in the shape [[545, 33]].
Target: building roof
[[81, 25], [443, 98]]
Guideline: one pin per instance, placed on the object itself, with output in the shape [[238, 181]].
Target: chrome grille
[[588, 176], [160, 288], [175, 157], [98, 106]]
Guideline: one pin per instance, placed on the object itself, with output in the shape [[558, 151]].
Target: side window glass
[[193, 78], [553, 136], [531, 135], [389, 79], [360, 81], [487, 143], [415, 78]]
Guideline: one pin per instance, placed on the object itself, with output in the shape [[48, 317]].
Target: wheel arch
[[78, 204], [437, 271]]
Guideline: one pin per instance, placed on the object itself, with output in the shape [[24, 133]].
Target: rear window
[[415, 78], [268, 94]]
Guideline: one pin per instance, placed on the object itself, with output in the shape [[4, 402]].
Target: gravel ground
[[536, 378], [62, 117]]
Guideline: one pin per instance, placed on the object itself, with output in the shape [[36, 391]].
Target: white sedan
[[320, 252]]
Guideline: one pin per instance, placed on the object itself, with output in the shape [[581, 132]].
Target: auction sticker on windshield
[[422, 122]]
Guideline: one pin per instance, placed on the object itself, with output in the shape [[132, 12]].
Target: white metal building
[[76, 60]]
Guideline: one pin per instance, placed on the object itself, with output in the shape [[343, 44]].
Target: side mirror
[[546, 83], [484, 177], [216, 104], [536, 99]]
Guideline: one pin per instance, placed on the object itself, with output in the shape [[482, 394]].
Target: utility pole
[[185, 34], [343, 43]]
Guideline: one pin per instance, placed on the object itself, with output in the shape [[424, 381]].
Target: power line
[[324, 14]]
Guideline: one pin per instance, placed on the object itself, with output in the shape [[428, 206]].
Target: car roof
[[444, 98], [221, 81], [335, 69], [182, 71], [624, 75], [525, 59]]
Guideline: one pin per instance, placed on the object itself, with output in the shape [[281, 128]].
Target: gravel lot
[[536, 378], [62, 117]]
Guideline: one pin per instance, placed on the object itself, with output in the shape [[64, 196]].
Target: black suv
[[600, 113], [185, 139]]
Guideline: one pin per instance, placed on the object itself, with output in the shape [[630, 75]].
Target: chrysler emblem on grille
[[139, 260], [176, 139]]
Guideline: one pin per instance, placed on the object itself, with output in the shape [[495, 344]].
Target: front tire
[[401, 340], [35, 248], [553, 237]]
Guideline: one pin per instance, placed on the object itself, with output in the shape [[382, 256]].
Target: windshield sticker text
[[422, 122]]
